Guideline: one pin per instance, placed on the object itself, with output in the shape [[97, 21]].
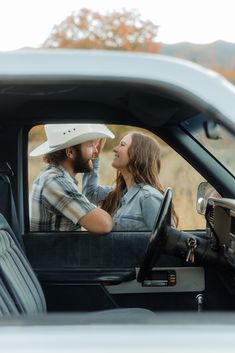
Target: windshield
[[214, 137]]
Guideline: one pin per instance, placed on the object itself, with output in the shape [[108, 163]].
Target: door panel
[[78, 270], [74, 268]]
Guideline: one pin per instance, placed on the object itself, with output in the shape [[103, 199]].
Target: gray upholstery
[[7, 305], [17, 277]]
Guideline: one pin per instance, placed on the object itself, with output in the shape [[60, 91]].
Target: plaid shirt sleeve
[[63, 197]]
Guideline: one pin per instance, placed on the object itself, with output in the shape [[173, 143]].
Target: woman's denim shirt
[[139, 205]]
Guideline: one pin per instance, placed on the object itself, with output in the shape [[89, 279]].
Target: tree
[[116, 30]]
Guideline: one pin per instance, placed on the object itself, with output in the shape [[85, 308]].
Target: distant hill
[[217, 55]]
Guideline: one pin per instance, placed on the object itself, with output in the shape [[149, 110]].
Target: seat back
[[7, 203], [20, 290], [7, 304]]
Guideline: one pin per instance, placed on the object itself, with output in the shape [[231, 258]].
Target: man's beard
[[80, 165]]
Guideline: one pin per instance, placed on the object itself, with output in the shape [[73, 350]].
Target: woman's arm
[[90, 188]]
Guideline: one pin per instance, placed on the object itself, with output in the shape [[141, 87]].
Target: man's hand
[[99, 147]]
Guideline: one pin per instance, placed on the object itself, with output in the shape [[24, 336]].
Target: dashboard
[[220, 216]]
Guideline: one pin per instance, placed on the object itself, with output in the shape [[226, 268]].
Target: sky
[[27, 23]]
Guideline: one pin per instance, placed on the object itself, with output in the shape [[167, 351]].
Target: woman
[[135, 201]]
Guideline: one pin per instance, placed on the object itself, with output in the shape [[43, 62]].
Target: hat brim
[[44, 148]]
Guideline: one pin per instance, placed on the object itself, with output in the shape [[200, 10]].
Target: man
[[56, 203]]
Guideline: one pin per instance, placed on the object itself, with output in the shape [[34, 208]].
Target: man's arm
[[69, 202], [97, 221]]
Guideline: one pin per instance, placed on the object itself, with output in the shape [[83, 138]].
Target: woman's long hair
[[144, 165]]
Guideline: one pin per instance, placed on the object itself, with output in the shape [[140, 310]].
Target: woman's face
[[121, 157]]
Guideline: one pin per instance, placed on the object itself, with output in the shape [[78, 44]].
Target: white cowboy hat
[[60, 136]]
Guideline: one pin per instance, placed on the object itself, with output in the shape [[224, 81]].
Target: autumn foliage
[[116, 30], [227, 73]]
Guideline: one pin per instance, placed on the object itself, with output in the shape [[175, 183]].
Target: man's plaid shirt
[[56, 202]]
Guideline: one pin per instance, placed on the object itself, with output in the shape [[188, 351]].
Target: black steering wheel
[[158, 237]]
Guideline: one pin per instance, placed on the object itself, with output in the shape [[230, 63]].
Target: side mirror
[[204, 192], [212, 130]]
